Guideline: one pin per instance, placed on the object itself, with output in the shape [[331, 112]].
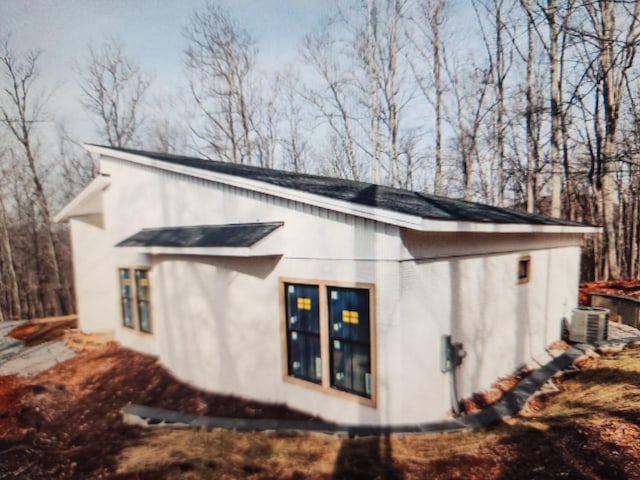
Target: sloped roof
[[87, 202], [229, 235], [397, 200]]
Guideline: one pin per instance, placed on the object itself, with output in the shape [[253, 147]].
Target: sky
[[151, 31]]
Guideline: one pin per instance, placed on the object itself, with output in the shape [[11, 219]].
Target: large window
[[329, 332], [135, 298]]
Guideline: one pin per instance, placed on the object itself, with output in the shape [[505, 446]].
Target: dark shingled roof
[[230, 235], [387, 198]]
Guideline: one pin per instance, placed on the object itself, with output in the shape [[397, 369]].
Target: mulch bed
[[66, 422]]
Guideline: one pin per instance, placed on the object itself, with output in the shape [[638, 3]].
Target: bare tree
[[372, 79], [470, 92], [21, 109], [426, 62], [294, 142], [220, 59], [532, 159], [493, 16], [114, 87], [167, 130], [8, 276], [554, 68], [334, 97], [614, 35], [77, 167]]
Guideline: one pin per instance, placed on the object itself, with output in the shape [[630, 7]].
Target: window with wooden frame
[[329, 337], [524, 269], [135, 298], [303, 332]]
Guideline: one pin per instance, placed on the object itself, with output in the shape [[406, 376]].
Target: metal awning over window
[[235, 240]]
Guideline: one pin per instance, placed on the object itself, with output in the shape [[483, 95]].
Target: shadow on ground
[[365, 458]]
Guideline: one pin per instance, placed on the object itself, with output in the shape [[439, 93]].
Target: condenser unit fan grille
[[589, 324]]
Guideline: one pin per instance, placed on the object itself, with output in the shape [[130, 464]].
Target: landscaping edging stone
[[510, 404]]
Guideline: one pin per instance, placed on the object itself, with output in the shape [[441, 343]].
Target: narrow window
[[524, 269], [303, 332], [142, 300], [126, 294], [350, 345], [135, 299]]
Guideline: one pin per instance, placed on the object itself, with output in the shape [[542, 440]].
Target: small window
[[142, 298], [135, 299], [126, 297], [524, 269]]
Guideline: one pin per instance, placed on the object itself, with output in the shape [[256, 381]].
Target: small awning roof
[[234, 239], [87, 202]]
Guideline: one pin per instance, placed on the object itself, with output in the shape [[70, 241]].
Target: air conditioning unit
[[589, 324]]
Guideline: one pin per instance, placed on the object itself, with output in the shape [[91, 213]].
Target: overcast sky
[[151, 31]]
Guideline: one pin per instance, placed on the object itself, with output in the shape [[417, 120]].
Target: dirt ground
[[36, 333], [65, 423]]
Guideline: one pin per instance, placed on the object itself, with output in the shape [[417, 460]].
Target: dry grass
[[183, 453], [590, 429]]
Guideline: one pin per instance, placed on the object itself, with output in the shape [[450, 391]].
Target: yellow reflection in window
[[304, 303], [349, 316]]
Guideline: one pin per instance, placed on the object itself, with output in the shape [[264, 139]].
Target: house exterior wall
[[92, 265], [217, 320], [478, 301]]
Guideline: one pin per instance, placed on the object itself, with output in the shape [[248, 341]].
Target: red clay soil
[[66, 422], [481, 400], [35, 333], [627, 288], [487, 398]]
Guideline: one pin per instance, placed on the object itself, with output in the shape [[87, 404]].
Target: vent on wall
[[589, 324]]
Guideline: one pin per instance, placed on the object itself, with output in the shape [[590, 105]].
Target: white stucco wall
[[478, 301], [217, 320], [92, 265]]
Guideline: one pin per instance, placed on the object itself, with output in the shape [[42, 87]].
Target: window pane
[[125, 296], [142, 297], [350, 339], [304, 356], [351, 367], [349, 313], [303, 311], [303, 332]]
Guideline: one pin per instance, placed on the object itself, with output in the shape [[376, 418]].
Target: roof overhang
[[229, 240], [364, 211], [87, 202]]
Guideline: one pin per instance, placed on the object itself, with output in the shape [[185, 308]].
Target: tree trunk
[[530, 109], [437, 67], [391, 97], [14, 310], [374, 104], [500, 76], [556, 165]]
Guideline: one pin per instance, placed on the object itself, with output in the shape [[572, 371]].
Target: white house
[[329, 295]]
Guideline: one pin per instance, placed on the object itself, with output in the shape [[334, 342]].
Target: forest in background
[[516, 103]]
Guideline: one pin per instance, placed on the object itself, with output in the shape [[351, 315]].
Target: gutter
[[509, 405]]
